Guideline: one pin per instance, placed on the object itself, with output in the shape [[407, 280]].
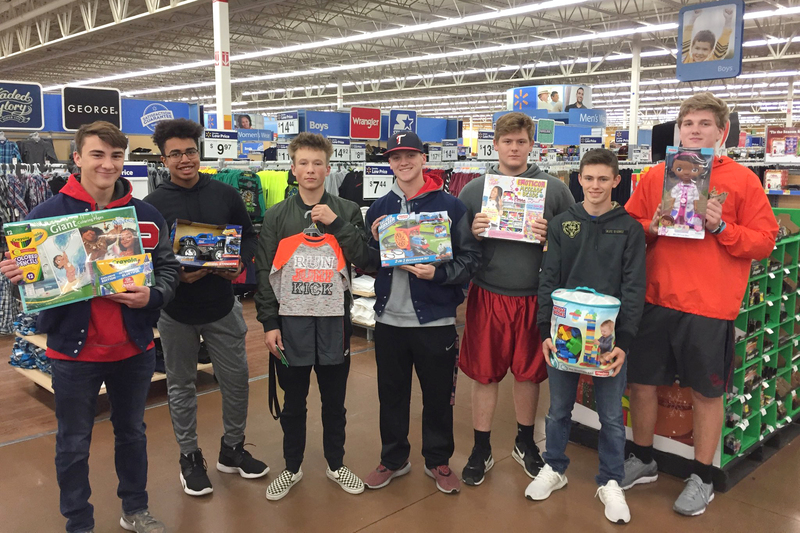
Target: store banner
[[782, 144], [21, 106], [549, 98], [328, 123], [621, 136], [254, 136], [365, 123], [587, 117], [84, 105], [402, 120], [140, 117], [711, 40]]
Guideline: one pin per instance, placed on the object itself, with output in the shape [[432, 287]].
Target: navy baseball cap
[[404, 140]]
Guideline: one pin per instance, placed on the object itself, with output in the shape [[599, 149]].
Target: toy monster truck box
[[414, 238], [207, 245]]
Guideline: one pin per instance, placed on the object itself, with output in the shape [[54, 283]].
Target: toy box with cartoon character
[[206, 245], [687, 173], [413, 238], [59, 256], [582, 328], [512, 204]]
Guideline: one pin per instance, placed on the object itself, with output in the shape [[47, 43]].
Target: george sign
[[486, 151], [84, 105], [402, 120], [365, 123], [219, 144], [358, 151], [378, 180], [450, 150], [289, 123], [21, 106], [341, 148], [621, 136], [435, 154], [282, 153], [545, 131], [710, 35]]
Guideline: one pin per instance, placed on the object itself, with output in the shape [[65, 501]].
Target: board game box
[[687, 173], [413, 238], [512, 205]]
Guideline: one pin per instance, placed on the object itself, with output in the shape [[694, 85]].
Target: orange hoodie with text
[[708, 276]]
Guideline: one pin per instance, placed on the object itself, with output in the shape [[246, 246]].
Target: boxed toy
[[512, 205], [206, 245], [687, 174], [776, 179], [413, 238], [582, 327], [59, 256]]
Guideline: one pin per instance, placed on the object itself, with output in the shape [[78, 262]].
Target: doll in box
[[687, 167]]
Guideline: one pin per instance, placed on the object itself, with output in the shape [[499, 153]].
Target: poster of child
[[708, 33], [67, 256]]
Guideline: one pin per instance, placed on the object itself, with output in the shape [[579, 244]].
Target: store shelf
[[782, 192], [365, 294]]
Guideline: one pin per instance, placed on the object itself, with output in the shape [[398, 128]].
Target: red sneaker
[[382, 476], [446, 481]]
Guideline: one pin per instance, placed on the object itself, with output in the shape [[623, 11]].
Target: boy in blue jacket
[[104, 340], [415, 323]]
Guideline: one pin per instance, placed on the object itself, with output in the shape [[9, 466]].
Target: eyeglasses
[[191, 153]]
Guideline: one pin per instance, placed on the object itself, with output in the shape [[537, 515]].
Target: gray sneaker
[[695, 497], [636, 472], [141, 522]]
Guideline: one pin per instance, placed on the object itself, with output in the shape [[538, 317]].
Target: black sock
[[482, 441], [524, 434], [702, 470], [644, 453]]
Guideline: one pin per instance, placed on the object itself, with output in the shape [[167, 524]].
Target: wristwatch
[[720, 228]]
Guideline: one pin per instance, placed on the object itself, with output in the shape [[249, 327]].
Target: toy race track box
[[116, 275], [687, 173], [512, 205], [58, 255], [581, 328], [413, 238], [206, 245]]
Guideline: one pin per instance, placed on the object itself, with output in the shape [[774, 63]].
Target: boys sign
[[711, 37]]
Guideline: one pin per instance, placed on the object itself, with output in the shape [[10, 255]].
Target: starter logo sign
[[21, 106], [155, 113], [365, 123], [402, 120]]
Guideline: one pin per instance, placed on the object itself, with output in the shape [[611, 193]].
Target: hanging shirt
[[9, 151], [37, 152]]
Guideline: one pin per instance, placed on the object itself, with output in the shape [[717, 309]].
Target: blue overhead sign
[[587, 117], [710, 39], [402, 120], [255, 135], [141, 116], [21, 106], [328, 123]]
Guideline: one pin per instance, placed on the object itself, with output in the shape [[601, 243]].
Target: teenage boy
[[104, 340], [595, 244], [308, 320], [204, 305], [687, 325], [415, 323], [500, 332]]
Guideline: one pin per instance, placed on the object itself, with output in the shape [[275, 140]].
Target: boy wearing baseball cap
[[415, 323]]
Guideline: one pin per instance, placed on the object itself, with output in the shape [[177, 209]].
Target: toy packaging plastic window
[[413, 238], [210, 246], [512, 205], [687, 174]]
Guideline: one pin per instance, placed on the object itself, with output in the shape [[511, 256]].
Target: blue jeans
[[77, 385], [608, 395]]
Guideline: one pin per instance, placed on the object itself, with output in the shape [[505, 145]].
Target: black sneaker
[[237, 460], [528, 457], [194, 478], [478, 464]]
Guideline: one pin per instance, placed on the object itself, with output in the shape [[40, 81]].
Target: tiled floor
[[766, 501]]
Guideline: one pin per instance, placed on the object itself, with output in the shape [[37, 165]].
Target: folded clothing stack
[[26, 355], [25, 324]]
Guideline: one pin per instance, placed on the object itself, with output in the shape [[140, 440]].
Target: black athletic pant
[[434, 353], [295, 380]]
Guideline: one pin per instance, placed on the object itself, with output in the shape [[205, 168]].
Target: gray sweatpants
[[225, 342]]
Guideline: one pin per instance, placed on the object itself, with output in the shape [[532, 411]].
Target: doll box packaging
[[687, 173], [582, 327], [414, 238], [512, 205], [210, 246]]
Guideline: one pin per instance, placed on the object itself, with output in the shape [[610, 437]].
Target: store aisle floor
[[765, 501]]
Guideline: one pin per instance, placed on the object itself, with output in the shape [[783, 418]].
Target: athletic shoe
[[695, 497], [446, 481], [637, 472], [282, 484], [346, 479], [613, 497], [194, 478], [477, 465], [382, 476], [237, 460], [141, 522], [545, 482], [530, 459]]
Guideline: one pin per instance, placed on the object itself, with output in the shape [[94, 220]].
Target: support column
[[636, 64], [790, 102], [339, 96], [222, 64]]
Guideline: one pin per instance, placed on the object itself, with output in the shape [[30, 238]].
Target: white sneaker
[[282, 484], [545, 482], [613, 497], [346, 479]]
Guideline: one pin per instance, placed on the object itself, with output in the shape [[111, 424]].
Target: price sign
[[283, 153], [449, 150], [288, 123], [219, 144], [358, 151], [486, 151], [341, 148], [378, 180], [535, 155], [435, 154]]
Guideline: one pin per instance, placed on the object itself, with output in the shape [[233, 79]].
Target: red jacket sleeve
[[752, 234]]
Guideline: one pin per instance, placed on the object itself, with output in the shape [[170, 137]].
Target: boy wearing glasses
[[204, 305]]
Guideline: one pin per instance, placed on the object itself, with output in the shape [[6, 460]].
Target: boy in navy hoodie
[[415, 324], [104, 340]]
